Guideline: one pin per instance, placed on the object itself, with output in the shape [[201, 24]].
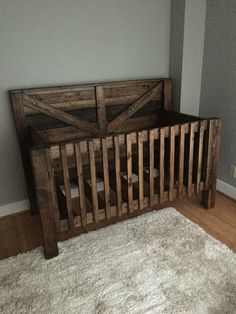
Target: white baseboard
[[226, 189], [14, 208]]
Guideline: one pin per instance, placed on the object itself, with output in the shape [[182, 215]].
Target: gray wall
[[176, 49], [186, 53], [51, 42], [218, 95], [194, 31]]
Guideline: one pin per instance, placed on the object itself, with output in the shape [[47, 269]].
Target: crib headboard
[[83, 111], [92, 109]]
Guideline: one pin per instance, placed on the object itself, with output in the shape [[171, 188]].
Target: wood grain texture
[[190, 159], [181, 160], [140, 169], [67, 186], [162, 166], [172, 164], [200, 152], [58, 114], [80, 178], [214, 135], [134, 107], [167, 94], [45, 202], [106, 179], [129, 172], [117, 174], [151, 167], [93, 177]]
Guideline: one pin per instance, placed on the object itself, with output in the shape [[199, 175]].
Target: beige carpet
[[157, 263]]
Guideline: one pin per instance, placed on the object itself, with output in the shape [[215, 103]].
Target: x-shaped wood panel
[[60, 115], [143, 100]]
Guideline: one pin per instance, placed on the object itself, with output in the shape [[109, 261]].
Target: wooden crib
[[99, 153]]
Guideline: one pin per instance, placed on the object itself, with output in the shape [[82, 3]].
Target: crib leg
[[208, 198], [209, 193], [41, 163]]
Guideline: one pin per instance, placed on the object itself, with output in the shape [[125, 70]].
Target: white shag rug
[[159, 262]]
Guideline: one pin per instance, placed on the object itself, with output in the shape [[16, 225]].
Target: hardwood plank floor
[[21, 232]]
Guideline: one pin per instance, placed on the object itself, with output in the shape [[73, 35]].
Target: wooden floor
[[21, 232]]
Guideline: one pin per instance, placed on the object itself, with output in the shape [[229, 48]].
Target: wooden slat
[[93, 180], [40, 106], [162, 165], [140, 169], [80, 178], [151, 167], [172, 164], [117, 171], [167, 94], [106, 179], [53, 190], [134, 107], [181, 160], [200, 151], [129, 172], [67, 186], [190, 160], [101, 113]]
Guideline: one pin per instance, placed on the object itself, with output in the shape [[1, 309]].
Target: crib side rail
[[87, 184]]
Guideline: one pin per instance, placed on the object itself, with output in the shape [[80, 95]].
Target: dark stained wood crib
[[99, 153]]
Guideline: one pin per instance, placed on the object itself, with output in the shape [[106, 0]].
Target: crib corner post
[[42, 168], [214, 134]]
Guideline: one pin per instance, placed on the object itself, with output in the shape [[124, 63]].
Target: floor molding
[[13, 208], [226, 189]]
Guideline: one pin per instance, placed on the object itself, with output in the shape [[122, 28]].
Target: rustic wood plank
[[190, 160], [162, 165], [129, 172], [53, 190], [101, 110], [106, 179], [80, 178], [134, 107], [181, 160], [172, 164], [78, 88], [66, 178], [209, 152], [40, 106], [93, 181], [140, 169], [118, 179], [151, 167], [214, 133], [200, 151], [44, 200], [167, 94]]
